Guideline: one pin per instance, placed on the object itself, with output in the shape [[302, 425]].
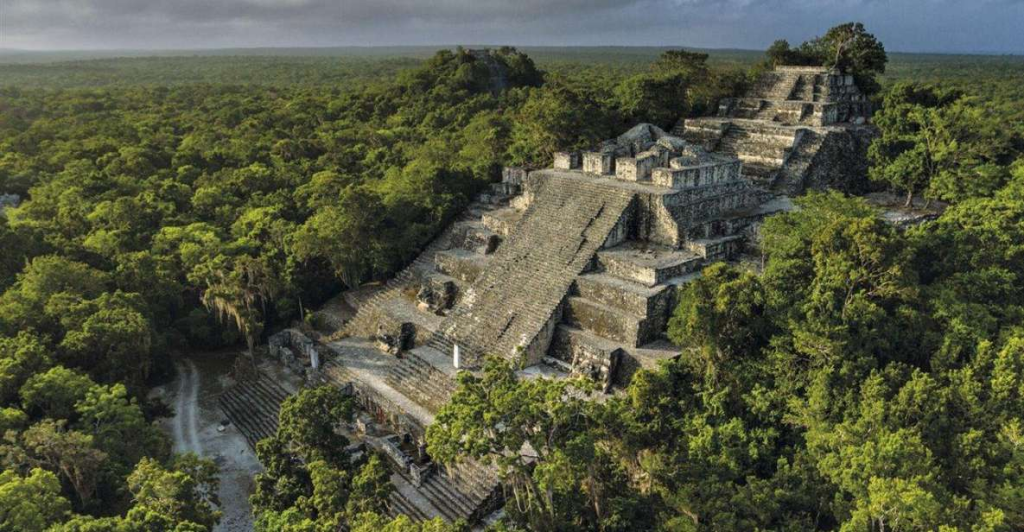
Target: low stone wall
[[652, 305], [597, 362], [296, 351], [600, 163], [695, 176], [384, 411], [607, 323], [567, 160]]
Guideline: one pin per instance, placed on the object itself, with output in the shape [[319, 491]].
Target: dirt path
[[186, 420], [194, 428]]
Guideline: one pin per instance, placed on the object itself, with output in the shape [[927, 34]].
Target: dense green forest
[[867, 379]]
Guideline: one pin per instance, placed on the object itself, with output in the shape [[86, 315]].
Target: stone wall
[[695, 176], [841, 163], [296, 351], [600, 163], [567, 160]]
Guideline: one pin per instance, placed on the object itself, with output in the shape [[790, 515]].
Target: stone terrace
[[778, 126]]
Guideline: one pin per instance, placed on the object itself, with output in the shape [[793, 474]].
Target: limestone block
[[567, 160], [390, 446], [637, 168], [437, 295], [599, 367], [514, 175], [462, 265], [395, 337], [601, 163]]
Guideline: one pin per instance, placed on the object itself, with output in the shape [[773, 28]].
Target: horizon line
[[449, 45]]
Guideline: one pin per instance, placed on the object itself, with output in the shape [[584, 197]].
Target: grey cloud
[[939, 25]]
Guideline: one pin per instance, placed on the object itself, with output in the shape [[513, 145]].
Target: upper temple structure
[[573, 270]]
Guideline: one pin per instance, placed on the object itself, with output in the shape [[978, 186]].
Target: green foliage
[[653, 98], [55, 393], [538, 433], [848, 47], [720, 316], [555, 118], [21, 357], [311, 482], [31, 503], [174, 496], [867, 377], [937, 142], [371, 522]]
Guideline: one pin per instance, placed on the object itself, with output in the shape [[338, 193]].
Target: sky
[[950, 26]]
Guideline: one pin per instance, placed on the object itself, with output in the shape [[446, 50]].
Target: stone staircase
[[619, 311], [424, 375], [463, 246], [761, 147], [517, 296], [766, 111], [784, 85], [764, 127], [398, 504], [809, 88], [790, 179], [468, 491], [253, 405]]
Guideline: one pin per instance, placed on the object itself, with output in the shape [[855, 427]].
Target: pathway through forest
[[186, 419], [194, 428]]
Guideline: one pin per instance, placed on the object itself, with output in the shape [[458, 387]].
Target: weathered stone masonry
[[575, 269]]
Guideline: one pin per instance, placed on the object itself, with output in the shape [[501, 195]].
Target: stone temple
[[573, 270]]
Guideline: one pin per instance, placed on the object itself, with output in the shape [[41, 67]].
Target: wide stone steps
[[608, 322], [467, 495], [761, 173], [336, 374], [647, 267], [364, 323], [535, 266], [399, 505], [475, 478], [767, 111], [424, 375], [783, 87], [740, 141], [414, 386], [790, 178], [253, 406], [808, 88], [616, 292], [447, 498]]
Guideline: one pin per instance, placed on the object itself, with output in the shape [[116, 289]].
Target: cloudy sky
[[903, 25]]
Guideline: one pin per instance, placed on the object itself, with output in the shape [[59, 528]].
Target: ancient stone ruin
[[573, 270], [797, 128]]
